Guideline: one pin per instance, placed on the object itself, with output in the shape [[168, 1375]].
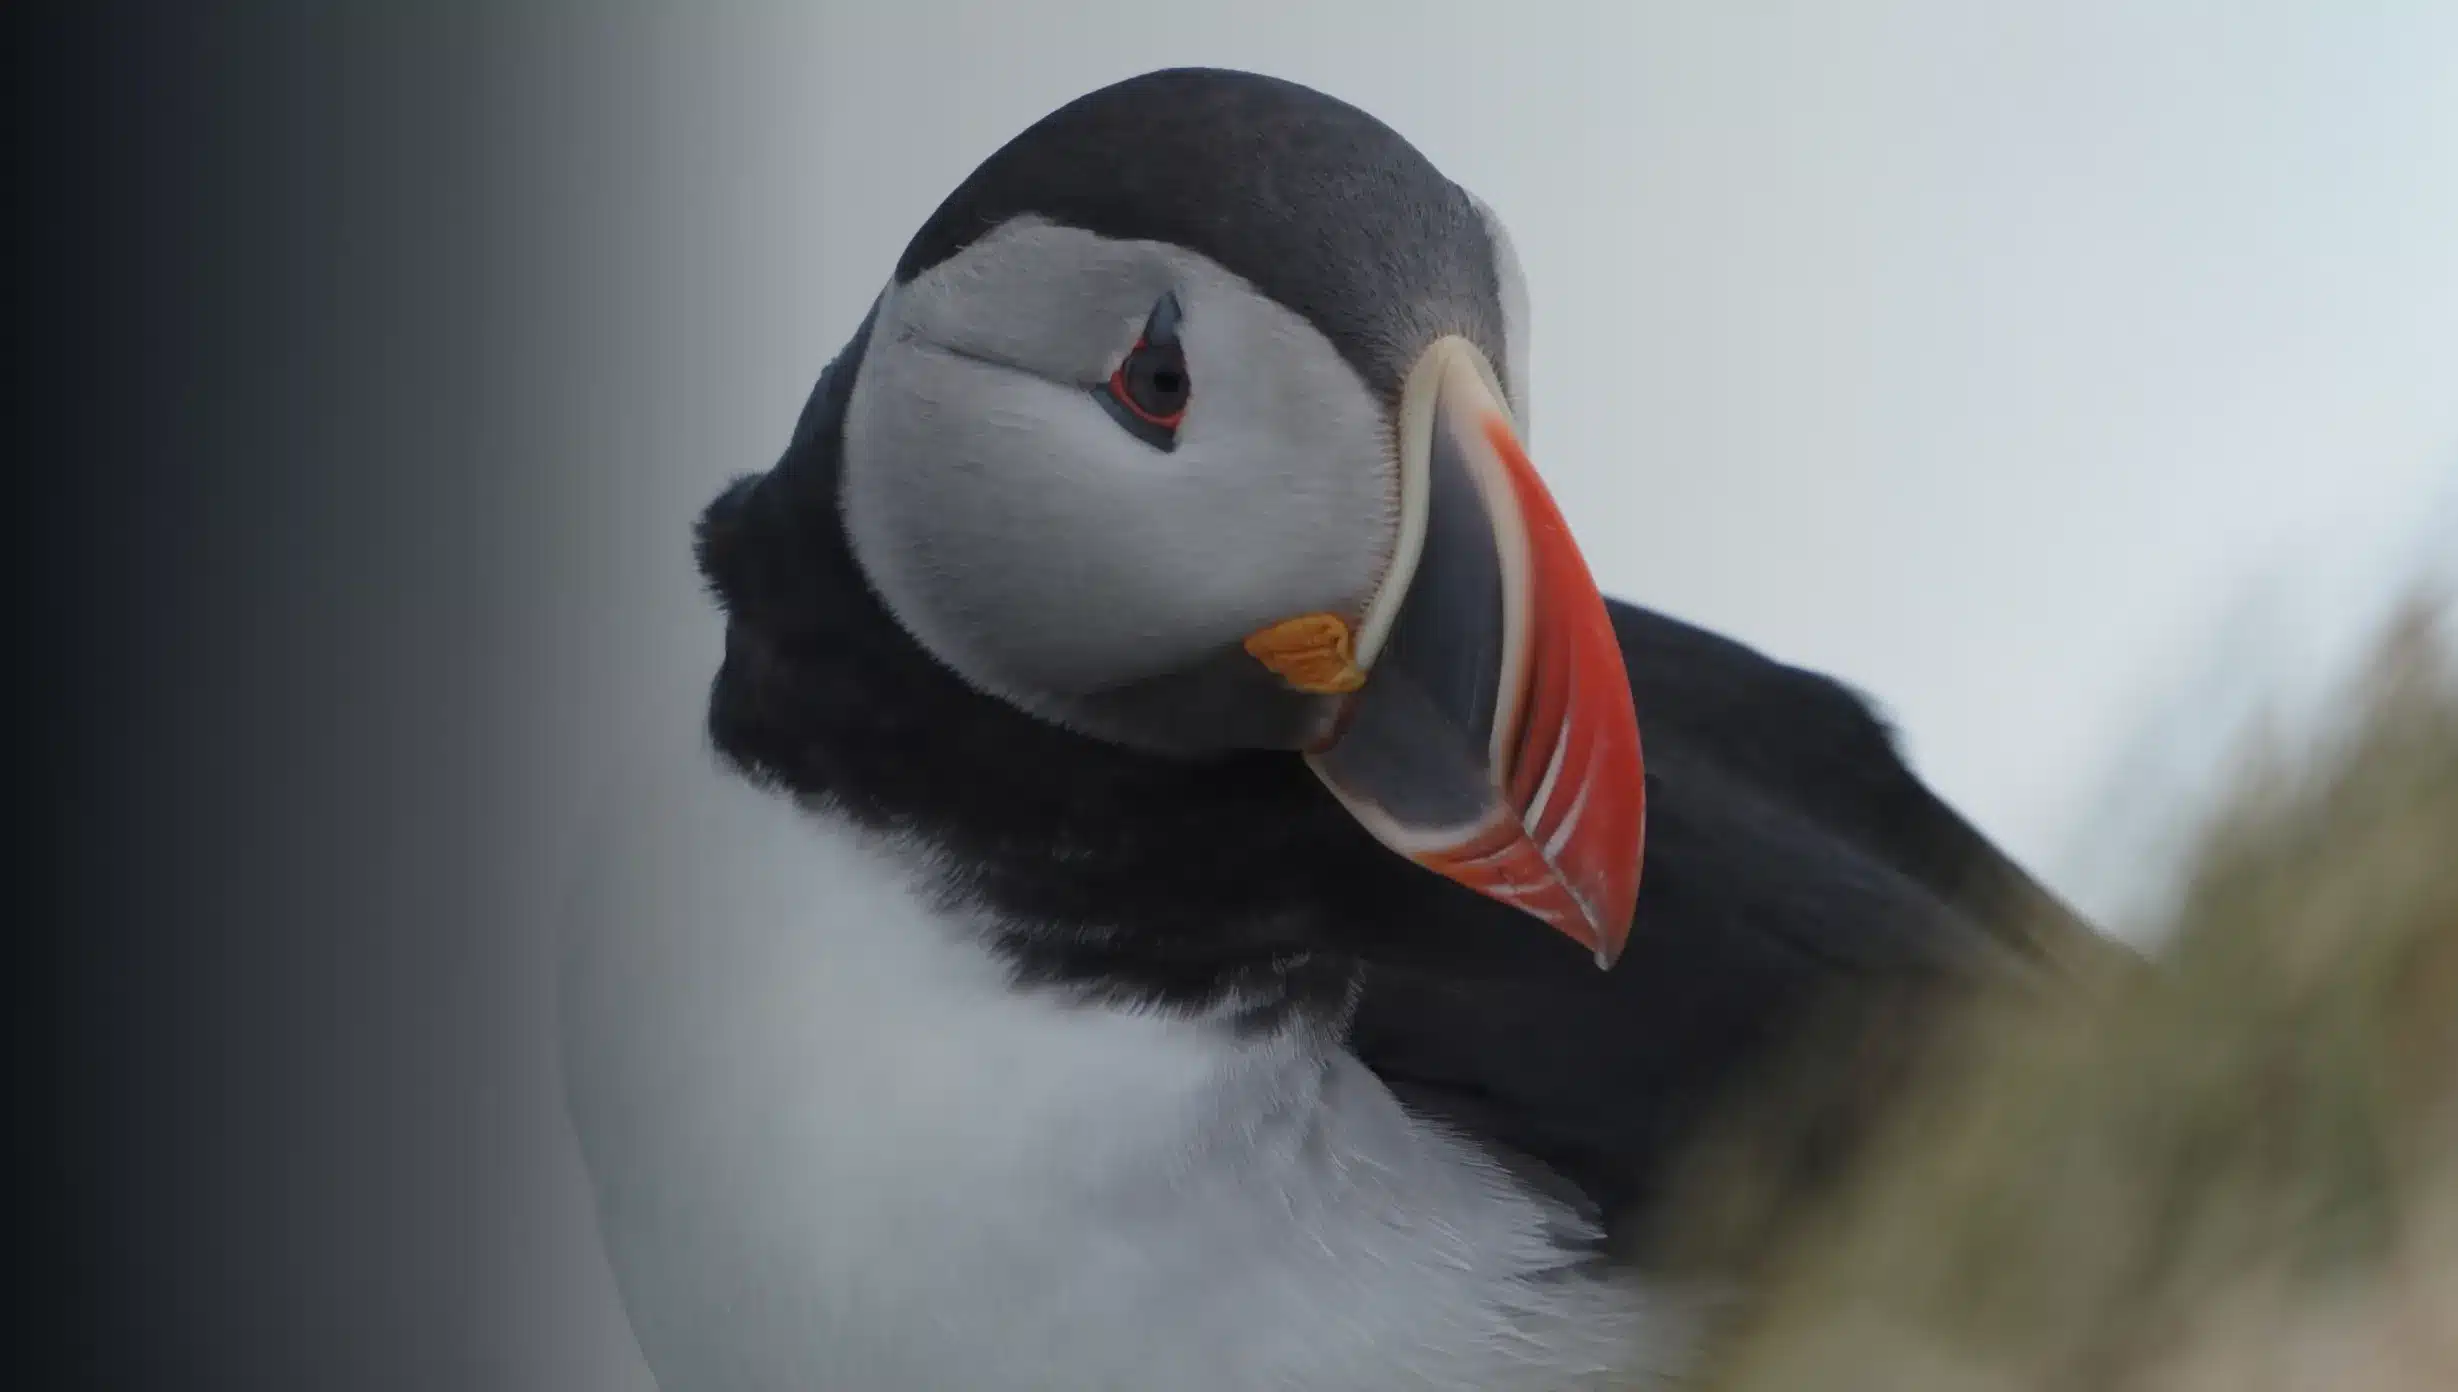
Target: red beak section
[[1494, 740]]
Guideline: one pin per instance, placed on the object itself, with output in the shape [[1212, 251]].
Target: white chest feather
[[835, 1149]]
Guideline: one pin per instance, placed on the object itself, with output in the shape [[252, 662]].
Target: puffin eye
[[1148, 392]]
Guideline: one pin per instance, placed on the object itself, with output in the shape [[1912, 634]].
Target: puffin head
[[1192, 427]]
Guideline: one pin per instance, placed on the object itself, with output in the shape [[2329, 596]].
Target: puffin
[[1183, 879]]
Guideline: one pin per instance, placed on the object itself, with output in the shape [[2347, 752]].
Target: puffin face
[[1183, 425], [1079, 469]]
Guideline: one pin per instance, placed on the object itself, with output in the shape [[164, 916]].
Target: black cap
[[1312, 201]]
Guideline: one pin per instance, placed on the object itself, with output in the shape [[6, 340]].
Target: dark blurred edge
[[214, 192], [90, 86]]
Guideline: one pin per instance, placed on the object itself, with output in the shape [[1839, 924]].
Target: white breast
[[834, 1148]]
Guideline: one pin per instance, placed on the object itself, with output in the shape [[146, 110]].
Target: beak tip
[[1608, 944]]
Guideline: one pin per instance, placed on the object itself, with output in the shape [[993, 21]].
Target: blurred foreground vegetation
[[2233, 1168]]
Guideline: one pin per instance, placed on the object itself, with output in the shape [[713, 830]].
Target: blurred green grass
[[2235, 1166]]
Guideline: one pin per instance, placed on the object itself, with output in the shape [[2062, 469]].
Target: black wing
[[1798, 874], [1809, 743]]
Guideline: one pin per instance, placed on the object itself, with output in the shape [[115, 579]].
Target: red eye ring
[[1149, 391], [1125, 398], [1152, 374]]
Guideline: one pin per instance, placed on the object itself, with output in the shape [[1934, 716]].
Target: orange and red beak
[[1493, 739]]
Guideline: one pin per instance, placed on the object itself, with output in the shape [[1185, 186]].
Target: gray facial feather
[[1050, 557]]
